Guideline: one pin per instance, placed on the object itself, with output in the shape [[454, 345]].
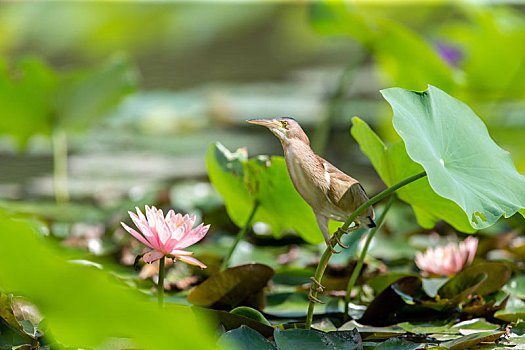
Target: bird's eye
[[284, 123]]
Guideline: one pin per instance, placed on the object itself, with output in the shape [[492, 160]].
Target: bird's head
[[285, 129]]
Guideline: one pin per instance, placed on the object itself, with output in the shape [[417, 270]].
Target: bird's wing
[[345, 192]]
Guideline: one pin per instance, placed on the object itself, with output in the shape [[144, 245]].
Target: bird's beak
[[269, 123]]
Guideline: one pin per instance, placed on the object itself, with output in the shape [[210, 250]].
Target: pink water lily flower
[[166, 235], [449, 259]]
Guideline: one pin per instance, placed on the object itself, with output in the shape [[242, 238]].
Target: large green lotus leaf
[[454, 147], [25, 102], [394, 165], [85, 96], [242, 181]]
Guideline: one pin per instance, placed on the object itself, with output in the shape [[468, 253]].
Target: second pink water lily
[[166, 235], [448, 259]]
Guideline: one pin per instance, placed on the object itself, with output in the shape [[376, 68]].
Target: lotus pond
[[139, 209]]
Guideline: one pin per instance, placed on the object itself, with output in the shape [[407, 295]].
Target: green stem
[[323, 263], [60, 166], [359, 266], [240, 236], [160, 287]]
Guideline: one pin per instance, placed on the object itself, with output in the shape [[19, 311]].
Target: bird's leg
[[315, 287], [322, 221]]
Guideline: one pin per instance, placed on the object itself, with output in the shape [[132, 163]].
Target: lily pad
[[293, 339], [242, 182], [244, 338], [393, 164], [250, 313], [397, 344], [516, 287], [498, 274], [230, 287], [395, 304], [232, 321], [468, 341], [462, 161]]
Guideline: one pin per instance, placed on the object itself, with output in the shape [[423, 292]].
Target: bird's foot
[[330, 245], [336, 238], [315, 287]]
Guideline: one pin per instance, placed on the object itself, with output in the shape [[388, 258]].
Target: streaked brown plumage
[[331, 193]]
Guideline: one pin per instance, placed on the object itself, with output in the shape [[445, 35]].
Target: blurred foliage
[[84, 305], [73, 100]]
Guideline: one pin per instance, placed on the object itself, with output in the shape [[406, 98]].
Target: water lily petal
[[152, 256], [141, 225], [136, 235], [191, 261], [192, 236], [181, 253]]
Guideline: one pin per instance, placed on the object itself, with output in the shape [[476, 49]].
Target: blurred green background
[[108, 105]]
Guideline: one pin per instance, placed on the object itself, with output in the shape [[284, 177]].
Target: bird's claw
[[331, 246], [315, 287], [336, 238]]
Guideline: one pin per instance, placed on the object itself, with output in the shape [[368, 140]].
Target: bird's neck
[[300, 138]]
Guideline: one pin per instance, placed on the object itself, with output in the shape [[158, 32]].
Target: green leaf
[[293, 339], [461, 160], [83, 97], [232, 321], [397, 344], [250, 313], [498, 274], [83, 305], [12, 333], [516, 287], [459, 287], [469, 341], [244, 338], [230, 287], [393, 164], [382, 281], [36, 83], [241, 182]]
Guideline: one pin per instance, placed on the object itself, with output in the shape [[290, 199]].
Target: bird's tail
[[366, 222]]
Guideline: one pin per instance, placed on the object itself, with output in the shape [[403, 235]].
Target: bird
[[332, 194]]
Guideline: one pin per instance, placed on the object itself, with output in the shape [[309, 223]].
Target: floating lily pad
[[242, 181], [230, 287], [468, 341], [244, 338], [382, 281], [498, 274], [462, 161], [293, 339], [250, 313], [516, 287], [395, 304], [397, 344]]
